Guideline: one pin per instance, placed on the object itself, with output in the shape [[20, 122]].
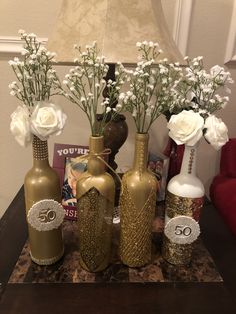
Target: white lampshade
[[116, 26]]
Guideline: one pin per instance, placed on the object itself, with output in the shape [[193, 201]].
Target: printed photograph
[[159, 164], [74, 167]]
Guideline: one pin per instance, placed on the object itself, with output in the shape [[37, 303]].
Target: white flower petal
[[216, 132], [186, 127], [20, 125], [47, 119]]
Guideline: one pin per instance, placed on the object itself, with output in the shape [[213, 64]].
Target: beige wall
[[208, 33]]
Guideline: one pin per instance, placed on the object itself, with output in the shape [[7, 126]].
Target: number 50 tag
[[182, 230], [46, 215]]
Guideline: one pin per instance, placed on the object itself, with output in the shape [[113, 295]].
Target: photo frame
[[159, 165], [69, 161]]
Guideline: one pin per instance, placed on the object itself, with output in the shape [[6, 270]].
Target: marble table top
[[68, 269]]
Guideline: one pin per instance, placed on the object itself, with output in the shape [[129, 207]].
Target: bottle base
[[136, 265], [176, 254], [48, 261], [103, 266]]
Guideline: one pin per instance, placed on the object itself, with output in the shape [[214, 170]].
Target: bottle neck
[[189, 161], [96, 148], [141, 152], [40, 152]]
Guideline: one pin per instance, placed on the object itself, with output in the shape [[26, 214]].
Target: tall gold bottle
[[95, 194], [42, 197], [137, 206]]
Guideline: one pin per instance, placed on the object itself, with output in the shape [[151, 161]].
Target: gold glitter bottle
[[44, 213], [95, 194], [137, 206], [184, 201]]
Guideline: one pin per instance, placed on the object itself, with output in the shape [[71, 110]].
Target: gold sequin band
[[174, 253]]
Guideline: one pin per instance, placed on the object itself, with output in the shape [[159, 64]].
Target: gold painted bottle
[[137, 206], [41, 187], [95, 194], [184, 200]]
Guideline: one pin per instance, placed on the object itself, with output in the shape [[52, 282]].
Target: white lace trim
[[48, 261], [182, 230], [46, 215]]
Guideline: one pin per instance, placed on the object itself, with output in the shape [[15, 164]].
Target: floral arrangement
[[85, 84], [151, 87], [196, 102], [36, 82]]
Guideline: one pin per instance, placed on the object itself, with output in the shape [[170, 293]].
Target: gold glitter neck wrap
[[137, 206], [180, 254], [141, 152], [40, 149]]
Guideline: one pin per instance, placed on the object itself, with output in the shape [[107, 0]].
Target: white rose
[[216, 132], [186, 127], [47, 119], [20, 125]]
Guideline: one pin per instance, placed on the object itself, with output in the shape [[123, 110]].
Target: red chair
[[223, 187]]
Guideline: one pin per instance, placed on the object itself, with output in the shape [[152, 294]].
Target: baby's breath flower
[[21, 31], [122, 96], [34, 71], [196, 91], [204, 85], [85, 85], [149, 93]]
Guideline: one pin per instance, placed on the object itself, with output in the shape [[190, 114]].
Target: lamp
[[116, 26]]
